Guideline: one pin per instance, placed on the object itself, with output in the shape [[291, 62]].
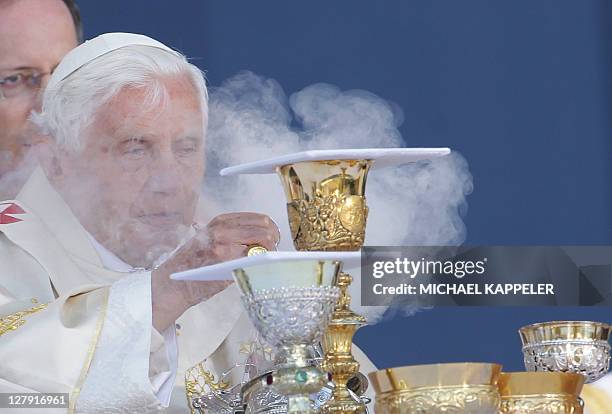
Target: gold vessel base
[[347, 406]]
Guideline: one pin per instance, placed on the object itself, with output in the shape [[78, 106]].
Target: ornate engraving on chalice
[[469, 388], [289, 316], [541, 393], [290, 304], [581, 347], [326, 205]]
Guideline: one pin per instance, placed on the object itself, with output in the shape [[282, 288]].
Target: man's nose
[[164, 178]]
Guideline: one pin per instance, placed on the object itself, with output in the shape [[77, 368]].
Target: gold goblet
[[326, 203], [327, 211], [541, 393], [438, 388]]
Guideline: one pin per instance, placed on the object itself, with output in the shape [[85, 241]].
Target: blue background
[[521, 88]]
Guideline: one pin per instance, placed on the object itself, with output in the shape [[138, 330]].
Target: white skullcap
[[96, 47]]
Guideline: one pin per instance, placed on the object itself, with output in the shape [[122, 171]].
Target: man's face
[[34, 36], [135, 184]]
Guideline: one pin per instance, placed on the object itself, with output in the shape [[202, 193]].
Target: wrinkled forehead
[[168, 106], [34, 34]]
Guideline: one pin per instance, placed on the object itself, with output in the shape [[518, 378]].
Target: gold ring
[[255, 249]]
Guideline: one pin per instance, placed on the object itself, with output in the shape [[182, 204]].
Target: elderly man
[[34, 36], [87, 248]]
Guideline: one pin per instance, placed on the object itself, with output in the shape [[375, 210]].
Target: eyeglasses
[[21, 83]]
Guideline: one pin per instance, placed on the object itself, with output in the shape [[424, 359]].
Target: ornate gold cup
[[327, 211], [437, 389], [541, 393], [326, 203], [567, 346]]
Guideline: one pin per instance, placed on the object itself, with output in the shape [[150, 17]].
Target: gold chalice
[[567, 346], [457, 388], [326, 203], [541, 393]]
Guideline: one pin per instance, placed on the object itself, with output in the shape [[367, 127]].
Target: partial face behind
[[135, 184], [34, 36]]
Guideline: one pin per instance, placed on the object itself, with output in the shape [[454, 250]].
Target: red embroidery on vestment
[[6, 215]]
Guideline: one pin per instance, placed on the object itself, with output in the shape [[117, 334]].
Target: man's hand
[[226, 237]]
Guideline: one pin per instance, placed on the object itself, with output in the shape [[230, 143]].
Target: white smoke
[[17, 173], [251, 118]]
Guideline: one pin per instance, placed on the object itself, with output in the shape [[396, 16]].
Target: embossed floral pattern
[[441, 400], [291, 316], [586, 357], [541, 404]]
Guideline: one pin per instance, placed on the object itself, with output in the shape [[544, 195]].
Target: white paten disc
[[223, 270], [382, 157]]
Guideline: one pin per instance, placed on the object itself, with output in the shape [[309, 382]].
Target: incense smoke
[[251, 118]]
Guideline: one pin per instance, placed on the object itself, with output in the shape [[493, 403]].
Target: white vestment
[[598, 396], [71, 324]]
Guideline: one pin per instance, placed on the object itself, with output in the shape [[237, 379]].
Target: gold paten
[[541, 393], [437, 388], [327, 211]]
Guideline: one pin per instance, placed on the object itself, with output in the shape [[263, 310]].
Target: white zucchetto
[[96, 47]]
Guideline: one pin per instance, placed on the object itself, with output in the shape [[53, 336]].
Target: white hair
[[70, 106]]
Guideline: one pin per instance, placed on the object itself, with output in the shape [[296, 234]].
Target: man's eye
[[13, 80], [135, 150], [186, 149]]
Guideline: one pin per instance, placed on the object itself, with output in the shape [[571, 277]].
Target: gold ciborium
[[567, 346], [457, 388], [541, 393], [327, 211]]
